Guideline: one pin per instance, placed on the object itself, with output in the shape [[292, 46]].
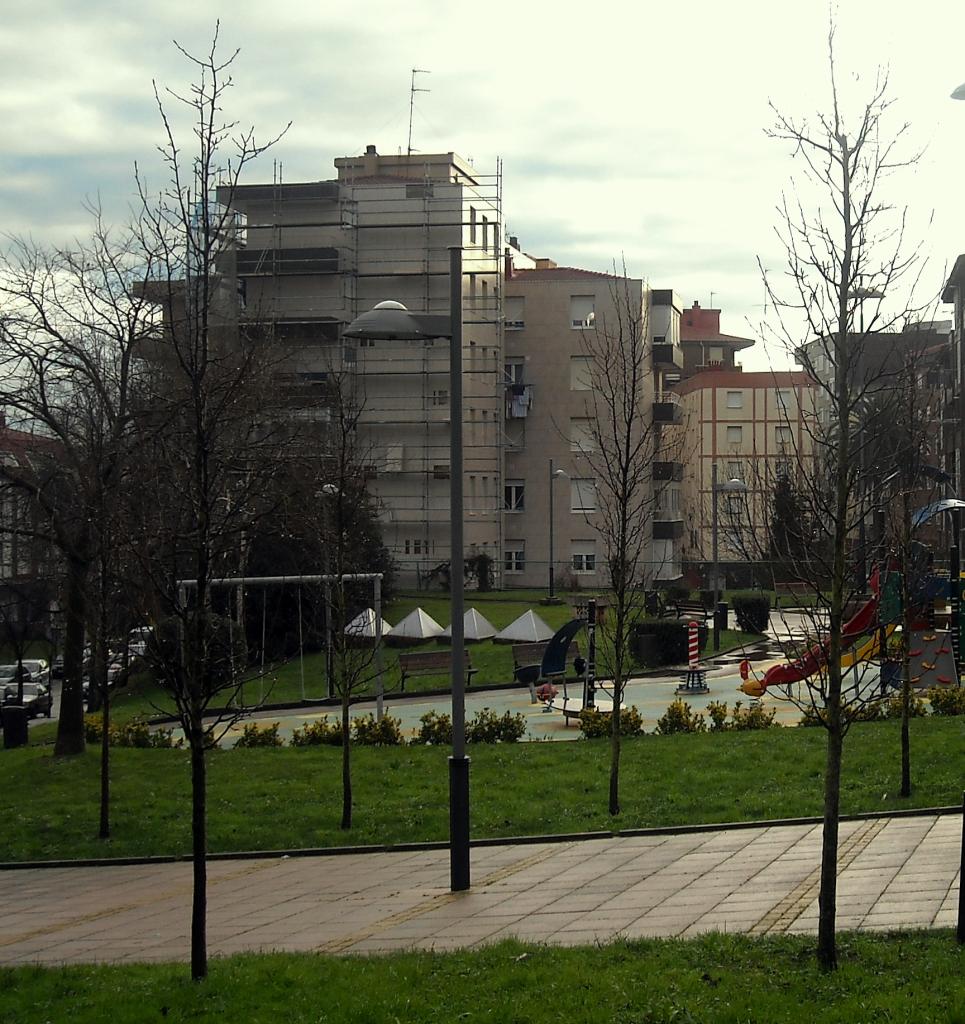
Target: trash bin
[[14, 726], [720, 616], [645, 649]]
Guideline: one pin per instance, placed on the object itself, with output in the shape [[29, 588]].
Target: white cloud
[[634, 130]]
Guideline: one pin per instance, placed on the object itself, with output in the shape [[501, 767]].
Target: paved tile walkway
[[893, 872]]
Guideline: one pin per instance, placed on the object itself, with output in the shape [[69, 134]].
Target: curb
[[562, 837]]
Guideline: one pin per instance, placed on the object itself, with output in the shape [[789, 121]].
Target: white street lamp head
[[388, 320], [959, 93]]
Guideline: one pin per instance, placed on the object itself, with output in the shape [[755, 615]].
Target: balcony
[[519, 399], [310, 260], [668, 471], [668, 529], [667, 408], [667, 356], [514, 325]]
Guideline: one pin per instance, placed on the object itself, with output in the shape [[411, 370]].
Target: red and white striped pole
[[694, 644]]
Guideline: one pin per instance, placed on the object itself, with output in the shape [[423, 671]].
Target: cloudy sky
[[628, 131]]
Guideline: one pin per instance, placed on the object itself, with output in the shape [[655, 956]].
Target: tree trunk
[[346, 766], [199, 845], [70, 725], [905, 732], [828, 893], [618, 655], [105, 824]]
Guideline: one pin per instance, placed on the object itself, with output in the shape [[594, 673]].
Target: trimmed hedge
[[669, 643], [752, 612]]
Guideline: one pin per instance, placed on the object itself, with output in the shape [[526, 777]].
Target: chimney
[[371, 151]]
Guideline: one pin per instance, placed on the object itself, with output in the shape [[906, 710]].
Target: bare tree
[[209, 428], [845, 250], [69, 333], [624, 443]]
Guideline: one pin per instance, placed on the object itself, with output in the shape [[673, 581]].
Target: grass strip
[[911, 977], [269, 799]]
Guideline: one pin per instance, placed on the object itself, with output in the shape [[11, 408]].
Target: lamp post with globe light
[[392, 321], [728, 487]]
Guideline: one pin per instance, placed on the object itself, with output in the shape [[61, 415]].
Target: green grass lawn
[[268, 799], [719, 979]]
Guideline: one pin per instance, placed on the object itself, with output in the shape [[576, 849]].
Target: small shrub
[[917, 708], [488, 727], [718, 715], [871, 712], [752, 612], [755, 716], [435, 729], [948, 700], [257, 735], [680, 717], [595, 724], [318, 733], [368, 732]]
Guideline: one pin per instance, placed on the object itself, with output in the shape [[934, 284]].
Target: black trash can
[[645, 649], [14, 726], [720, 616]]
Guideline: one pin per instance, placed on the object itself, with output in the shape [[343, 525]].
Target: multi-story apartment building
[[755, 427], [555, 317], [316, 254]]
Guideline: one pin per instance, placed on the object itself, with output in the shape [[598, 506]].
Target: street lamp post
[[554, 473], [730, 487], [391, 320]]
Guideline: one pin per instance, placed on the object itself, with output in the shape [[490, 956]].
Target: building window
[[472, 225], [514, 559], [485, 233], [582, 438], [783, 399], [783, 435], [582, 311], [440, 471], [515, 312], [417, 546], [734, 471], [583, 557], [715, 355], [782, 469], [440, 397], [581, 373], [582, 495], [514, 493], [735, 399], [513, 371], [735, 435]]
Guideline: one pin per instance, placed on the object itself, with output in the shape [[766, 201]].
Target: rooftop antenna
[[412, 91], [711, 300]]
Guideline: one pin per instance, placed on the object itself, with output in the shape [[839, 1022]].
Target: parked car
[[37, 698], [57, 669], [12, 674], [39, 671]]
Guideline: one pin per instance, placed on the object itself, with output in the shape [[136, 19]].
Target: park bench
[[528, 662], [691, 610], [430, 663], [792, 590]]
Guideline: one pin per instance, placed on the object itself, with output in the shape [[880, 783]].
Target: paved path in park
[[893, 873]]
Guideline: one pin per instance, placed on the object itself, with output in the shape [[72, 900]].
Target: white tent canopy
[[475, 627], [528, 628], [417, 625], [363, 625]]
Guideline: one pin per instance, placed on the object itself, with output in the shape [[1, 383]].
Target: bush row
[[484, 727], [135, 733]]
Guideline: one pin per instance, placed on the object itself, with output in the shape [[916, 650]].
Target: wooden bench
[[430, 663], [528, 662], [793, 590], [692, 610]]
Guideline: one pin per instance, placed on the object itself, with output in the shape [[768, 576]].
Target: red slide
[[817, 656]]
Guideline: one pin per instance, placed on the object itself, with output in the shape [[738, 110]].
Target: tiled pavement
[[893, 872]]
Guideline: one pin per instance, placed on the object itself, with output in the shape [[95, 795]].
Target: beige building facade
[[756, 427], [317, 254]]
